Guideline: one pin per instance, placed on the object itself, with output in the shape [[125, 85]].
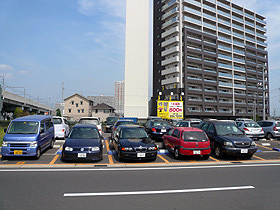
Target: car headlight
[[228, 144], [4, 144], [94, 149], [152, 148], [253, 144], [127, 149], [68, 149], [33, 144]]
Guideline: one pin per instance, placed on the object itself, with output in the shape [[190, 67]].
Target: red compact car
[[187, 141]]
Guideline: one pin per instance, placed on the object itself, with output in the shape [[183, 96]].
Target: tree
[[20, 113], [58, 112]]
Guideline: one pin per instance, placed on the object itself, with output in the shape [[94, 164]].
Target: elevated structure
[[137, 58]]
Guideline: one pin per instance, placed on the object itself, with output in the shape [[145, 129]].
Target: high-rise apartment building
[[119, 98], [213, 51]]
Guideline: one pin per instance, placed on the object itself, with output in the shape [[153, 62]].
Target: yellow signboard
[[170, 109]]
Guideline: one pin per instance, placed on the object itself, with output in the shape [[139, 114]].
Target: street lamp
[[159, 94], [263, 88], [182, 94]]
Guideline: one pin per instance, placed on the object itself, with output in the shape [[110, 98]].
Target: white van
[[61, 127], [91, 120]]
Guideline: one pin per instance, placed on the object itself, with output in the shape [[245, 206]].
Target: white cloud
[[5, 67], [87, 7], [23, 72]]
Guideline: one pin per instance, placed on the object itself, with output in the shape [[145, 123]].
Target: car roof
[[218, 121], [89, 118], [33, 118], [130, 126], [85, 126], [189, 129]]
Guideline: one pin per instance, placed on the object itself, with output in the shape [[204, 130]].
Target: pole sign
[[170, 109]]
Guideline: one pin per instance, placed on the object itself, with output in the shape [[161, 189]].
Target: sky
[[82, 43]]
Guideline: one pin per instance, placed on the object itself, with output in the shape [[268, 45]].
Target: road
[[240, 186]]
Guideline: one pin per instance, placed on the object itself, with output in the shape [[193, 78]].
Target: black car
[[227, 139], [156, 129], [110, 121], [132, 142], [83, 143]]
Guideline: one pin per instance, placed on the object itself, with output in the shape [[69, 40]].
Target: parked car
[[251, 129], [61, 127], [91, 120], [227, 139], [175, 121], [154, 118], [110, 121], [132, 142], [188, 123], [123, 122], [156, 129], [244, 119], [187, 141], [28, 136], [83, 143], [271, 128]]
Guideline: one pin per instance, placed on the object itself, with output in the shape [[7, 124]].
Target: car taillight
[[154, 130], [114, 128], [275, 129], [262, 129], [62, 130], [245, 129]]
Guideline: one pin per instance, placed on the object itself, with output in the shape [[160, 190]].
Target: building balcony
[[170, 22], [170, 41], [169, 4], [170, 81], [170, 51], [170, 13], [170, 71], [170, 61], [170, 31]]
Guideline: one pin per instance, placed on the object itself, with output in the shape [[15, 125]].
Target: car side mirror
[[41, 130], [5, 130]]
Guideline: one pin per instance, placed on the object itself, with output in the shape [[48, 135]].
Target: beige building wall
[[137, 58], [76, 107]]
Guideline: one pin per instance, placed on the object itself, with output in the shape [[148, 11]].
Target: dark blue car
[[83, 143], [156, 129]]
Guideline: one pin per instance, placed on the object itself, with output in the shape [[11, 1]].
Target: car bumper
[[195, 151], [59, 135], [157, 135], [255, 136], [239, 151], [66, 155], [10, 152], [133, 155]]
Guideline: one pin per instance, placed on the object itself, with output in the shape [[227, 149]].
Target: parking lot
[[268, 150]]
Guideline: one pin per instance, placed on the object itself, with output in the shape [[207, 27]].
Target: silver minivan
[[271, 128]]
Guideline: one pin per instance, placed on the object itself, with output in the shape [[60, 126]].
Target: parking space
[[268, 150]]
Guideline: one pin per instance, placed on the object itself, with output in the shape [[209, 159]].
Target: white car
[[61, 127], [251, 128], [91, 120]]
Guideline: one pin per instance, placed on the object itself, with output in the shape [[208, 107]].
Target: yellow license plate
[[17, 152]]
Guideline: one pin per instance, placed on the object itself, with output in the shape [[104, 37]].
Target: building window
[[77, 105], [96, 111], [81, 102], [79, 111], [69, 110], [72, 102], [83, 111], [106, 110]]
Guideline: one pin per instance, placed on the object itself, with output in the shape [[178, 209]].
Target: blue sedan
[[83, 143]]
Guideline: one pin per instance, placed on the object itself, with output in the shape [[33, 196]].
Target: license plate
[[244, 151], [141, 155], [82, 155], [196, 152], [17, 152], [163, 130]]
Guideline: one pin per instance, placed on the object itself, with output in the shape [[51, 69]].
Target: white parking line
[[158, 192], [56, 146]]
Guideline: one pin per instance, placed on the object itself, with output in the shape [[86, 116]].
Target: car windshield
[[227, 129], [183, 124], [112, 119], [23, 127], [277, 124], [84, 133], [133, 133], [125, 123], [160, 123], [89, 121], [57, 121], [194, 136], [251, 125]]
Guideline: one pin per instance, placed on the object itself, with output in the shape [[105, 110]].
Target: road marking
[[264, 147], [61, 141], [266, 144], [111, 162], [54, 159], [214, 159], [20, 163], [258, 157], [158, 192], [56, 146], [166, 161]]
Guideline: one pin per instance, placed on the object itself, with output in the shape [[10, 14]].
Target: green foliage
[[3, 125], [258, 118], [20, 113], [58, 112]]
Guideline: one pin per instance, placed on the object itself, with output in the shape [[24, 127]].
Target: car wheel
[[177, 154], [269, 136], [52, 144], [38, 154], [218, 152]]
